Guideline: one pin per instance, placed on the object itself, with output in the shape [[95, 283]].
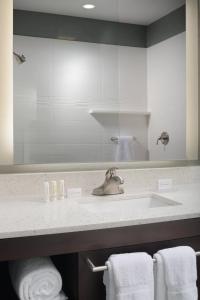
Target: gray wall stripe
[[96, 31], [78, 29], [166, 27]]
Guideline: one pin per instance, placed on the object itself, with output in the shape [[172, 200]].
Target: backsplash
[[135, 180]]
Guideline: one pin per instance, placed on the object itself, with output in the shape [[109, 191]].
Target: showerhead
[[20, 58]]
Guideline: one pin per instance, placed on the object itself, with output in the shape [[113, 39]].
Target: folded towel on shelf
[[36, 279], [176, 274], [129, 277], [125, 149]]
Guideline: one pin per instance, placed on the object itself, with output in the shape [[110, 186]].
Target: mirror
[[97, 83]]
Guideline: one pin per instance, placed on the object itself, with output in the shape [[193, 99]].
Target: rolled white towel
[[61, 296], [36, 279]]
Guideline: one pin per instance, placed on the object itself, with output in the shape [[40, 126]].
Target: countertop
[[31, 215]]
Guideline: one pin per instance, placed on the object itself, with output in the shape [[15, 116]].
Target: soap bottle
[[61, 189], [54, 190]]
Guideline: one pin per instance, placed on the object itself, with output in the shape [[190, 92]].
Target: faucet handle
[[111, 172]]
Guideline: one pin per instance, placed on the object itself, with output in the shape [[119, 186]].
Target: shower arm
[[21, 58]]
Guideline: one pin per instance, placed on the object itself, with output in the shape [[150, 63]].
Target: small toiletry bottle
[[53, 190], [61, 189], [46, 191]]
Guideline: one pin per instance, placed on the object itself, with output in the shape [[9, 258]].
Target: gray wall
[[166, 27], [46, 25]]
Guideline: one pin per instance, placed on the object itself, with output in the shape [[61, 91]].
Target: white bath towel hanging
[[176, 274], [36, 279], [125, 148], [129, 277]]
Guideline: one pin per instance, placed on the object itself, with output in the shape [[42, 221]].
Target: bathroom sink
[[127, 203]]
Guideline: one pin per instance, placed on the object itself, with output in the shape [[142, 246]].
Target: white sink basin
[[130, 203]]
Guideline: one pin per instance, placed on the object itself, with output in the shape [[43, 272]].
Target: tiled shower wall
[[62, 80], [166, 69], [76, 64], [58, 85]]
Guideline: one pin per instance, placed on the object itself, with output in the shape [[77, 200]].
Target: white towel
[[125, 149], [176, 274], [129, 277], [36, 279]]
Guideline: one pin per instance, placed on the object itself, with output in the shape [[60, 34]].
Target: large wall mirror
[[99, 82]]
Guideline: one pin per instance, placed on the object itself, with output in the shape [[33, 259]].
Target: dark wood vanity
[[70, 251]]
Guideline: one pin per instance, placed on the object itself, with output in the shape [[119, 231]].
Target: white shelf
[[121, 111]]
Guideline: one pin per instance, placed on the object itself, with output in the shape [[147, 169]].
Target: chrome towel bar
[[115, 139], [95, 269]]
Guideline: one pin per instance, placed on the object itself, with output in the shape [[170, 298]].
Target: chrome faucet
[[111, 185]]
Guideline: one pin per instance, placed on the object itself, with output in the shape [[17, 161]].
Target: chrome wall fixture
[[164, 138]]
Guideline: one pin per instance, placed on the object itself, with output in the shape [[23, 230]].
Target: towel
[[129, 277], [176, 274], [36, 279], [125, 149]]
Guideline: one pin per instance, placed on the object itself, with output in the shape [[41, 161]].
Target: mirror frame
[[75, 167], [193, 100]]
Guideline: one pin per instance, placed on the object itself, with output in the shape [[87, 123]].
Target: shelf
[[115, 111]]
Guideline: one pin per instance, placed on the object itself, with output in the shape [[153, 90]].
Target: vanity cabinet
[[70, 251]]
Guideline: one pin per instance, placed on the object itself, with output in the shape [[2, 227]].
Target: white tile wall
[[133, 78], [56, 87], [38, 153], [167, 97], [62, 80]]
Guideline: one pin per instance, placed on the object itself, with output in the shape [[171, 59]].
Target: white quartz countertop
[[31, 216]]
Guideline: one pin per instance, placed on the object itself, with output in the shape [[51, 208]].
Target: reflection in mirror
[[99, 83]]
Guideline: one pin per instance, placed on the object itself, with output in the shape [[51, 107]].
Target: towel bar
[[95, 269], [115, 139]]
